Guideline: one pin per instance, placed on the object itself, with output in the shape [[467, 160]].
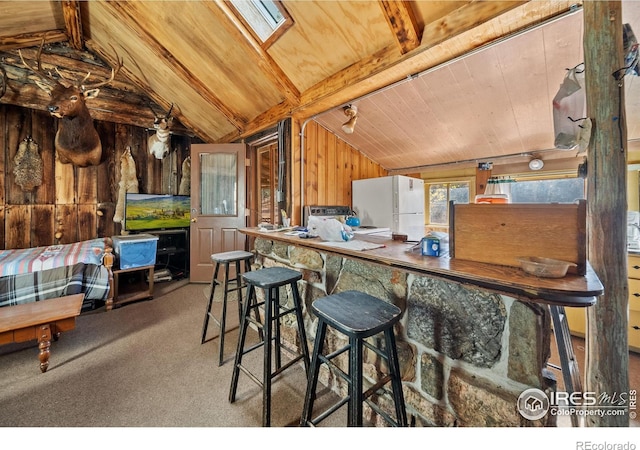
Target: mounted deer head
[[77, 141], [159, 142]]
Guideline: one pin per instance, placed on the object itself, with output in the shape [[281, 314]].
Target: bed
[[41, 273]]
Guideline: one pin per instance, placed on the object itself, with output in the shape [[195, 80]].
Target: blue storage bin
[[137, 250]]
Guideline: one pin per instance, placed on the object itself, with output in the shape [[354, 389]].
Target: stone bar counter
[[472, 338]]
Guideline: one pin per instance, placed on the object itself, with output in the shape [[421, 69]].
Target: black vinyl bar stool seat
[[358, 316], [229, 285], [270, 280]]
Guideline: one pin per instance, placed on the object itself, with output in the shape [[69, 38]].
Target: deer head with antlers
[[77, 141], [158, 143]]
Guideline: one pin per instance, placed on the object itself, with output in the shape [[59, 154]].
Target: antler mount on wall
[[77, 142]]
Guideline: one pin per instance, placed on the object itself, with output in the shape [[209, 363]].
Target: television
[[156, 211]]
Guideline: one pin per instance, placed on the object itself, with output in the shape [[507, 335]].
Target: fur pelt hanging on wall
[[128, 183], [27, 167], [185, 181]]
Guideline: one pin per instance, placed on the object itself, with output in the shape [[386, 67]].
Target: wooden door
[[218, 204]]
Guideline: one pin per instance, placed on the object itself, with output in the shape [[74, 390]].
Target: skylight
[[263, 18]]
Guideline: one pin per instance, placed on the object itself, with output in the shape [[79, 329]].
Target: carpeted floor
[[142, 365]]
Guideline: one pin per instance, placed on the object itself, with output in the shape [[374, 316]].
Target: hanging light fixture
[[351, 111]]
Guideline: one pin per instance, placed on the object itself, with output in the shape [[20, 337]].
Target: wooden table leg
[[44, 343]]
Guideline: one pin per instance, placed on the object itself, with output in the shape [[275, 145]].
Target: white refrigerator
[[395, 202]]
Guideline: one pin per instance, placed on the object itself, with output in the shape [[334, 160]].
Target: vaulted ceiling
[[435, 82]]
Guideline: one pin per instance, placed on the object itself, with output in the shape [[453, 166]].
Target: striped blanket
[[41, 273], [91, 279], [19, 261]]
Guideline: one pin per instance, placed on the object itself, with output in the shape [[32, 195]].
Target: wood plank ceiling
[[226, 85]]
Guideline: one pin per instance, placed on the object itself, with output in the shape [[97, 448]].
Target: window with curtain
[[219, 184]]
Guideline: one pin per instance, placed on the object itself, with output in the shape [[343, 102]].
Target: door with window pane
[[218, 198]]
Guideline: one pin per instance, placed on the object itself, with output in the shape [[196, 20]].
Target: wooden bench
[[40, 320]]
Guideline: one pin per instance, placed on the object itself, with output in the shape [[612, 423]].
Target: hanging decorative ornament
[[128, 183], [27, 167], [185, 181]]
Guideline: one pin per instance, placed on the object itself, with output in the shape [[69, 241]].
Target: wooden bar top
[[572, 290]]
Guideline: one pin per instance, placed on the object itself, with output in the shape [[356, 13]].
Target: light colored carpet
[[142, 365]]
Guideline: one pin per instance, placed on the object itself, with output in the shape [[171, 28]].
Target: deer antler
[[114, 72], [38, 68]]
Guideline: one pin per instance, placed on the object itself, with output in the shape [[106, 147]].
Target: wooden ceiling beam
[[263, 121], [31, 39], [358, 79], [464, 19], [119, 102], [109, 106], [125, 13], [377, 70], [73, 23], [403, 23]]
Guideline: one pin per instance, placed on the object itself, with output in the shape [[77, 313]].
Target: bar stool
[[233, 257], [358, 316], [270, 280]]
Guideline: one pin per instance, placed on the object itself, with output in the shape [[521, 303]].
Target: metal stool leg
[[275, 315], [223, 316], [244, 324], [210, 304], [354, 407], [239, 286], [313, 373], [396, 380], [266, 380], [568, 362], [302, 334]]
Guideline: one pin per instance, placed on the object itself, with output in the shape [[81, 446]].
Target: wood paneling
[[516, 230], [43, 229], [43, 131], [17, 226], [72, 203], [87, 221], [330, 164]]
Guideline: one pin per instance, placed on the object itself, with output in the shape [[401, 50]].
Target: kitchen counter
[[472, 335], [572, 290]]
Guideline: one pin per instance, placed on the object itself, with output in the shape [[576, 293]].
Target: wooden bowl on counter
[[544, 267]]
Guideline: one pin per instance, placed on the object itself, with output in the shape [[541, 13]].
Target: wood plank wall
[[74, 203], [330, 164]]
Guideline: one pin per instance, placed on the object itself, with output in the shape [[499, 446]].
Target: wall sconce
[[350, 111]]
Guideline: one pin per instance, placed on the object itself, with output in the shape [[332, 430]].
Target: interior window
[[563, 190], [439, 195]]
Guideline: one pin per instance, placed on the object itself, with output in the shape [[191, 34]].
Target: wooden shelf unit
[[131, 284]]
